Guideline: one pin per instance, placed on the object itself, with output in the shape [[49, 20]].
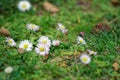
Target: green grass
[[62, 64]]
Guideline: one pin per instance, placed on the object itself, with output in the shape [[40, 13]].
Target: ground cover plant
[[60, 40]]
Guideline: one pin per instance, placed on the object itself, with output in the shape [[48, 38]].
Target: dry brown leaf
[[115, 2], [46, 56], [50, 7], [100, 27], [115, 66], [4, 32], [84, 4], [20, 50]]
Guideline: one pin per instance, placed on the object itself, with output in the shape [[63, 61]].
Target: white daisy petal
[[60, 27], [92, 52], [65, 31]]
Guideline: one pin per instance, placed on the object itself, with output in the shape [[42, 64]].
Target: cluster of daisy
[[62, 28], [43, 46], [44, 43], [85, 58]]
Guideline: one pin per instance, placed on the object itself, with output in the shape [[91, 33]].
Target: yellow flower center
[[62, 27], [44, 41], [81, 41], [24, 6], [84, 59], [10, 41], [92, 52], [25, 46], [32, 26], [41, 48]]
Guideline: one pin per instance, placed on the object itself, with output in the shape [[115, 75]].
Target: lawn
[[81, 18]]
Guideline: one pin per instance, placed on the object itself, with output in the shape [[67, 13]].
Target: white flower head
[[80, 40], [42, 49], [65, 31], [24, 5], [45, 40], [32, 27], [60, 27], [92, 52], [86, 59], [8, 69], [10, 41], [55, 42], [26, 45]]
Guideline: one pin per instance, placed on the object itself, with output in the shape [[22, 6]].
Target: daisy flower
[[26, 45], [42, 49], [32, 27], [92, 52], [45, 40], [60, 27], [55, 42], [24, 5], [8, 69], [80, 40], [85, 58], [10, 41]]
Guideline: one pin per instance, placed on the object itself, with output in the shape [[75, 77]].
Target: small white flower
[[26, 45], [85, 58], [65, 31], [42, 49], [32, 27], [24, 5], [80, 40], [55, 42], [10, 41], [60, 27], [92, 52], [45, 40], [8, 69]]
